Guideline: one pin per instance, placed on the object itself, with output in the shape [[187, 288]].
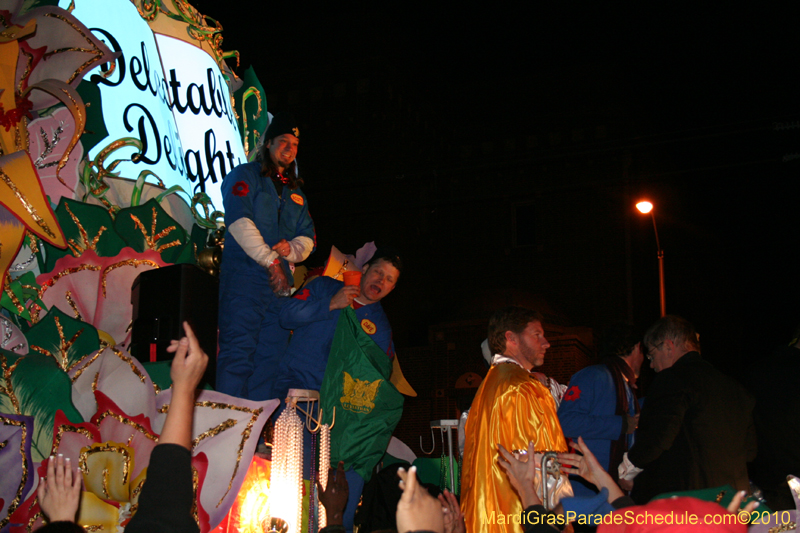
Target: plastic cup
[[352, 277]]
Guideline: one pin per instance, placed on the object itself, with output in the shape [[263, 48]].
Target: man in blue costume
[[313, 314], [600, 405], [269, 226]]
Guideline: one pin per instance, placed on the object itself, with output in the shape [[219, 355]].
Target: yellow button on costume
[[510, 408]]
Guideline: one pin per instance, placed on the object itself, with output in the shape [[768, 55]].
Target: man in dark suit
[[696, 428]]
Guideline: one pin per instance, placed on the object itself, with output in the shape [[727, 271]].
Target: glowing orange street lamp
[[646, 207]]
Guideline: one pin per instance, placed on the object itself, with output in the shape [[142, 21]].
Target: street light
[[646, 207]]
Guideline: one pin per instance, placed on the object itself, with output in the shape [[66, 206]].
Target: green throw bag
[[368, 406]]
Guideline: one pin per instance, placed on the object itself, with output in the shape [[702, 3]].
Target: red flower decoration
[[241, 189], [572, 394]]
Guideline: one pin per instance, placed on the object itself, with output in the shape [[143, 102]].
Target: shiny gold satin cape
[[510, 408]]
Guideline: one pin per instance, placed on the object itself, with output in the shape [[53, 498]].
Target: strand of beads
[[324, 465], [286, 480], [313, 503]]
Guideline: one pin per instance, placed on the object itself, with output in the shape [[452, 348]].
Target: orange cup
[[352, 277]]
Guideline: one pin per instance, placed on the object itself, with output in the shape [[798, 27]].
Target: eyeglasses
[[651, 349]]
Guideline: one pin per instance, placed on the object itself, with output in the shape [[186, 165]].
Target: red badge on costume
[[368, 326], [572, 394], [241, 189], [303, 295], [297, 199]]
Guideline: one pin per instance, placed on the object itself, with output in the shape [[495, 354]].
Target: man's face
[[531, 345], [283, 150], [659, 355], [636, 359], [377, 281]]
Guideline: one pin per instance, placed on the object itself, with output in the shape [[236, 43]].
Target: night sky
[[722, 78]]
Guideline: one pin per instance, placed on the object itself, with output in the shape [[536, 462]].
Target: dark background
[[502, 150]]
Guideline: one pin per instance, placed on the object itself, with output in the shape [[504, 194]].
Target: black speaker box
[[163, 298]]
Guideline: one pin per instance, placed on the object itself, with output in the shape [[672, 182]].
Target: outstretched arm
[[187, 369]]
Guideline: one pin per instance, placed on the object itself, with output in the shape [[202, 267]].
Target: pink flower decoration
[[49, 138]]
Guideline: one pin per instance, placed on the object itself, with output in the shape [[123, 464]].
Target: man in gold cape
[[510, 408]]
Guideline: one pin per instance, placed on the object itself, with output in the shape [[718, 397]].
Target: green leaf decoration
[[197, 242], [34, 385], [251, 110], [86, 227], [23, 289], [149, 227], [95, 129], [66, 340]]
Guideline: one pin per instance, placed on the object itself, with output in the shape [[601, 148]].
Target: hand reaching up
[[335, 495], [189, 362], [453, 518], [417, 509]]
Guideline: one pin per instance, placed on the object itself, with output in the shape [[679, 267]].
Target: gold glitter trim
[[34, 242], [127, 422], [130, 362], [27, 71], [720, 496], [8, 390], [137, 489], [80, 371], [106, 447], [152, 240], [63, 349], [27, 205], [93, 527], [195, 486], [105, 482], [245, 433], [128, 262], [213, 432], [788, 526], [64, 428], [33, 518], [66, 272], [95, 51], [13, 297], [76, 248], [71, 302], [13, 504]]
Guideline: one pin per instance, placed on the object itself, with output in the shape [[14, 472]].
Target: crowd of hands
[[59, 492], [418, 510]]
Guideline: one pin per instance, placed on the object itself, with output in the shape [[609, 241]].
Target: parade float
[[118, 121]]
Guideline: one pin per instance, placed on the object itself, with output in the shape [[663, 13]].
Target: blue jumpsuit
[[307, 314], [587, 410], [303, 365], [250, 340]]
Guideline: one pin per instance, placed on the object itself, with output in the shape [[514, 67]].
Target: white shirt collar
[[499, 359]]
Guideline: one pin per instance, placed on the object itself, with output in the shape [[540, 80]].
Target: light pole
[[645, 207]]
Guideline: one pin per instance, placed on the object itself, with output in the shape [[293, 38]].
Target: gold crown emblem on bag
[[359, 395]]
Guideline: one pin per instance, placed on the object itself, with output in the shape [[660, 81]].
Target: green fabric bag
[[368, 406]]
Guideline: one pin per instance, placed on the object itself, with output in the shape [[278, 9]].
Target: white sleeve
[[301, 249], [249, 238]]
